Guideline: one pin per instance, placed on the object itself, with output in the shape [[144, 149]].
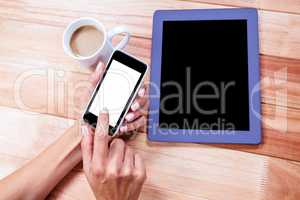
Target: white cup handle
[[118, 30]]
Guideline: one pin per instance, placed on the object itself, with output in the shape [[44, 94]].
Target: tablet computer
[[205, 76]]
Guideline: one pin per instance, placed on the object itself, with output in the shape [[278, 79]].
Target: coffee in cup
[[87, 41]]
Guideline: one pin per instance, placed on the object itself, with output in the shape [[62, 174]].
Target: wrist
[[69, 144]]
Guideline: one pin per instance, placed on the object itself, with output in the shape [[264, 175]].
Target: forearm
[[38, 177]]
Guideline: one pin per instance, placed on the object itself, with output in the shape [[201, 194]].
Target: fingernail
[[129, 117], [135, 106], [142, 92], [104, 111], [84, 131], [123, 129]]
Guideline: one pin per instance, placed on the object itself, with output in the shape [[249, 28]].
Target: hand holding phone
[[115, 171], [117, 89]]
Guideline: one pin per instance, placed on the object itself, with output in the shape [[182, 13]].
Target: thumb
[[97, 74]]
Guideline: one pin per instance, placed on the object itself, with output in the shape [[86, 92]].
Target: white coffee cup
[[105, 50]]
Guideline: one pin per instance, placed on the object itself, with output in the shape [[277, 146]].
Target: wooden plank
[[279, 32], [288, 6], [280, 79], [175, 170]]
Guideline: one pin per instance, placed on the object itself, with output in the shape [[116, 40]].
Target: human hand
[[135, 118], [85, 88], [113, 170]]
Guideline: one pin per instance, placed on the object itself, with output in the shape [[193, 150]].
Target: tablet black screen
[[204, 75]]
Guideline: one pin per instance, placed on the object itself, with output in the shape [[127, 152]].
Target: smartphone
[[117, 89]]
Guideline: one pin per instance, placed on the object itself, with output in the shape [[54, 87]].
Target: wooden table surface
[[39, 100]]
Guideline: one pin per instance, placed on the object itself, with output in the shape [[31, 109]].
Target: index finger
[[101, 139]]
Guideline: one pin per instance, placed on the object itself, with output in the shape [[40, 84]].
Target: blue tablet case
[[251, 136]]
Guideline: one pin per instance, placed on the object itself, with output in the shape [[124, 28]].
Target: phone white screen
[[115, 90]]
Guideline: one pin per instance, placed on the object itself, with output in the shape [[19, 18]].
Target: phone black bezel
[[129, 61]]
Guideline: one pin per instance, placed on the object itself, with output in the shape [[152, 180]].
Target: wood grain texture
[[175, 171], [280, 134], [287, 6], [58, 91], [37, 76], [276, 74], [279, 32]]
